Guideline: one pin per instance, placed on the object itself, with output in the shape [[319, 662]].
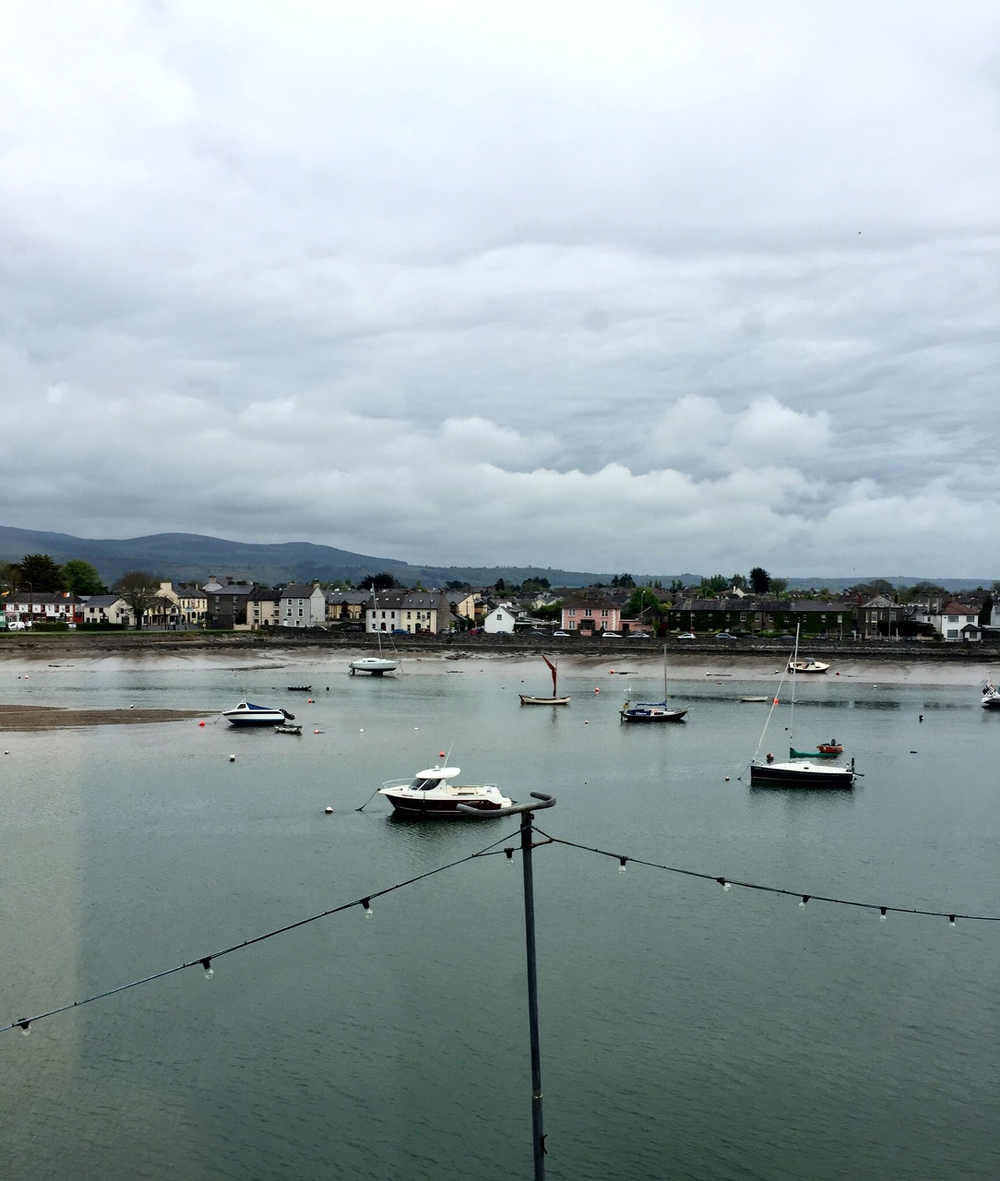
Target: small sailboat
[[555, 699], [802, 769], [375, 665], [652, 711]]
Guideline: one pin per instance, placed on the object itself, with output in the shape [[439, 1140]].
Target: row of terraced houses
[[228, 603]]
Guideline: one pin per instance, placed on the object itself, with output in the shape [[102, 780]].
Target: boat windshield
[[424, 784]]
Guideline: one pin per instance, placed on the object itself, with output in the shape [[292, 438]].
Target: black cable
[[622, 859], [206, 960]]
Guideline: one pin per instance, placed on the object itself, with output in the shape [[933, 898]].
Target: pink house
[[589, 614]]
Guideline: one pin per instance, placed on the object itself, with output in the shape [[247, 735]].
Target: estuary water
[[686, 1031]]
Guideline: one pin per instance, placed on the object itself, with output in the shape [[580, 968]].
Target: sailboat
[[555, 699], [652, 711], [376, 665], [796, 772]]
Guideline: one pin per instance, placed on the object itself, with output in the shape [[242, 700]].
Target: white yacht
[[435, 792]]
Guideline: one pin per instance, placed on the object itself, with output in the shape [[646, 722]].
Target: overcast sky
[[645, 286]]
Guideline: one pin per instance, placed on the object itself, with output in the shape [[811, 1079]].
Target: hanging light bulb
[[621, 864], [25, 1026], [805, 899], [726, 886], [206, 963], [881, 914], [951, 921], [509, 854], [367, 905]]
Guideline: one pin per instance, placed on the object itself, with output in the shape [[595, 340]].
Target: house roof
[[299, 590]]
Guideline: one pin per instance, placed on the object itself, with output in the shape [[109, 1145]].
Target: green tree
[[986, 610], [379, 582], [739, 581], [81, 578], [625, 580], [140, 590], [39, 572], [713, 586], [779, 586], [760, 580], [644, 602]]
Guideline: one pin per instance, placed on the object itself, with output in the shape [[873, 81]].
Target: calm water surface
[[686, 1032]]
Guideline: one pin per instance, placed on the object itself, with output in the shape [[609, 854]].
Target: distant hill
[[191, 557]]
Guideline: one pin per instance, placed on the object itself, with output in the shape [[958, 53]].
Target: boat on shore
[[435, 794], [376, 666], [807, 665], [248, 714], [555, 699], [652, 711]]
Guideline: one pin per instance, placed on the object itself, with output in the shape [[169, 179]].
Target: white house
[[500, 619], [954, 621], [302, 605]]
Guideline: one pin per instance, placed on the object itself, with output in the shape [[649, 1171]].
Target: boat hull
[[527, 699], [375, 665], [800, 775], [991, 702], [646, 714], [247, 714], [406, 805]]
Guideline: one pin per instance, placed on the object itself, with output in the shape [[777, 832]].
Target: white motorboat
[[795, 772], [807, 665], [248, 714], [435, 793], [991, 696]]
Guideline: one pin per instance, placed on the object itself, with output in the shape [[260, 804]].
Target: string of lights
[[365, 902], [206, 961], [727, 884]]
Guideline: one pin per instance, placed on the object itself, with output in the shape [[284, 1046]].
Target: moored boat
[[434, 793], [555, 699], [991, 696], [248, 714], [289, 728], [833, 747], [652, 711], [803, 769], [807, 665]]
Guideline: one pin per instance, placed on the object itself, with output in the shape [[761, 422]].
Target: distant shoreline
[[45, 645]]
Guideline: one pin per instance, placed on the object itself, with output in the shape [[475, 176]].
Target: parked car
[[640, 636], [611, 635], [724, 636], [687, 636], [560, 635]]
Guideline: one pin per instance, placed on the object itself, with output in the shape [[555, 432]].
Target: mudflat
[[48, 717]]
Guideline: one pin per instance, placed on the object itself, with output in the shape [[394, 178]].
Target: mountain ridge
[[191, 557]]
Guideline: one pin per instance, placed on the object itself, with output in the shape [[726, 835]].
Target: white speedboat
[[991, 696], [436, 793], [807, 665], [248, 714]]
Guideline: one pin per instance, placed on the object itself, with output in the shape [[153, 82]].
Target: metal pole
[[537, 1122], [527, 810]]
